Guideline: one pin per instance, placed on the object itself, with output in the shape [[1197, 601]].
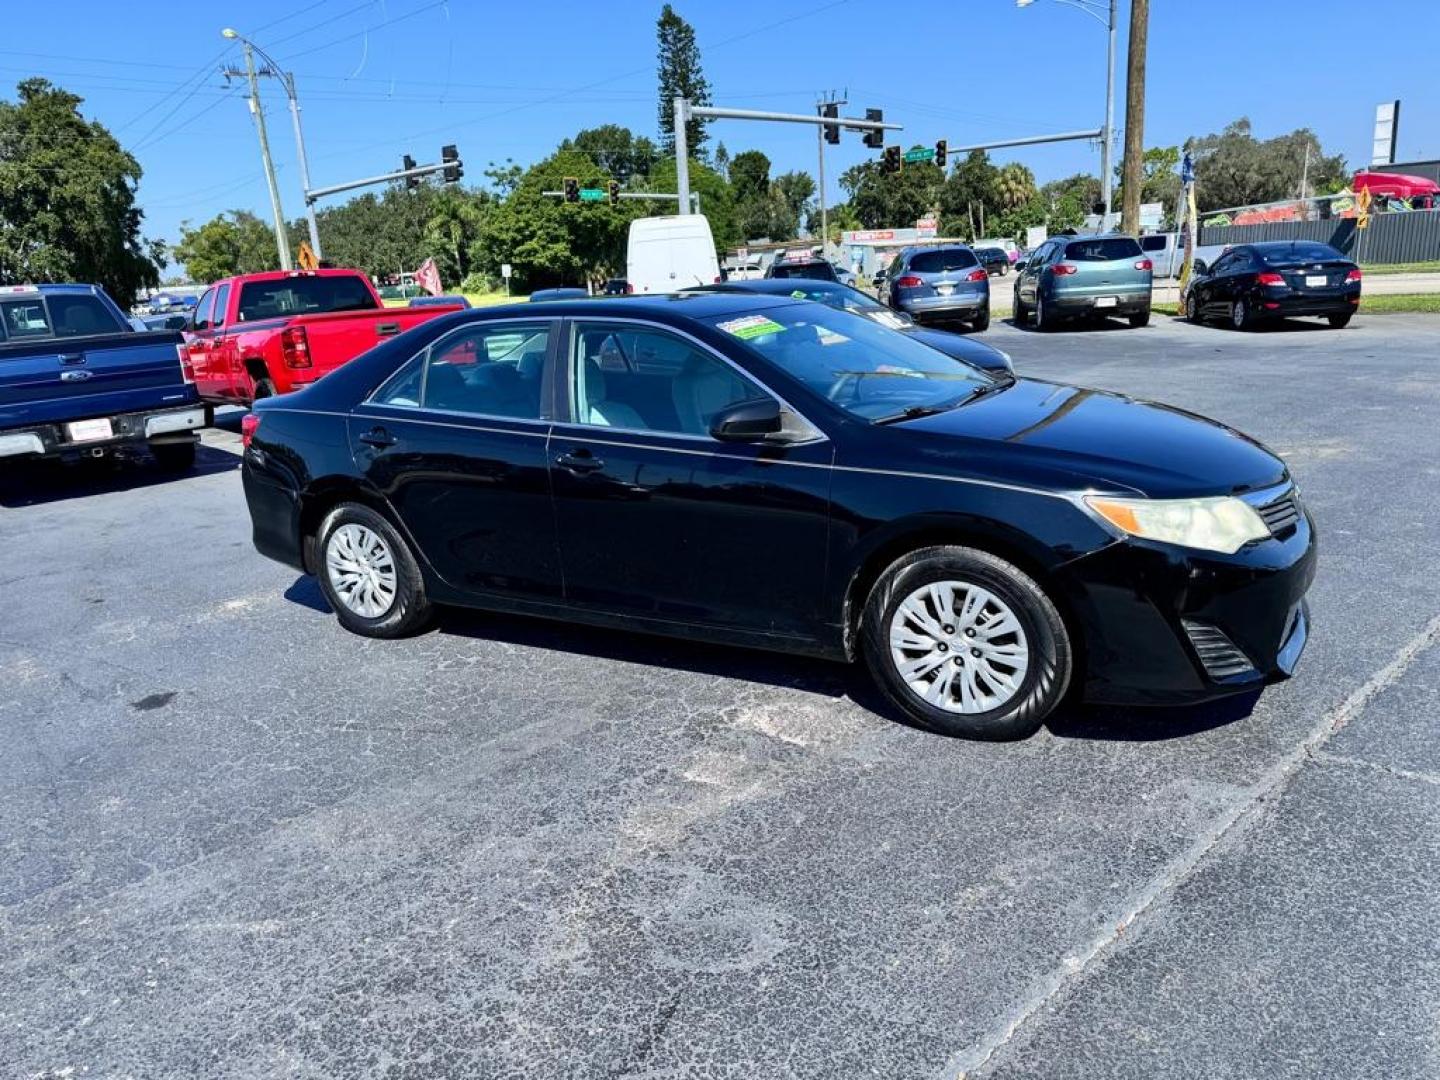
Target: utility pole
[[1134, 165], [1107, 147], [1305, 172], [682, 155], [282, 241]]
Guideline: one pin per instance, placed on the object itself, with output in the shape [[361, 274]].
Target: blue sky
[[379, 78]]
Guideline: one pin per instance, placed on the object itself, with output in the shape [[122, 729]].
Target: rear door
[[456, 441]]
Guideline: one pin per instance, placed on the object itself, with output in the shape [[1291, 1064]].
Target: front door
[[456, 441], [657, 518]]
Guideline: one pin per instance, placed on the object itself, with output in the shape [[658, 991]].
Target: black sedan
[[848, 298], [779, 474], [995, 261], [1251, 283]]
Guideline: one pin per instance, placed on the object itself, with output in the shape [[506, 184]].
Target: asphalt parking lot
[[237, 841]]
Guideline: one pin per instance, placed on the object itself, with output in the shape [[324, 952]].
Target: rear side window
[[1152, 243], [303, 296], [1102, 249], [946, 259]]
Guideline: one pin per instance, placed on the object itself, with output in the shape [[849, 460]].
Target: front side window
[[204, 309], [222, 303], [624, 376], [480, 371], [862, 367]]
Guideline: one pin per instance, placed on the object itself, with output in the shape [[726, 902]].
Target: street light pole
[[282, 241]]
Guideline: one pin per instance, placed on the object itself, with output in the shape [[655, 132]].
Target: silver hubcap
[[361, 569], [1238, 313], [959, 647]]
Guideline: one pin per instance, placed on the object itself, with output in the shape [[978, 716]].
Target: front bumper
[[1162, 625], [150, 426]]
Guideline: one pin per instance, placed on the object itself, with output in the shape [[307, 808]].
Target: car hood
[[1067, 436], [981, 355]]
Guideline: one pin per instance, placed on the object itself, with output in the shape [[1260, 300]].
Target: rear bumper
[[1163, 625], [956, 305], [149, 426], [1126, 302], [1299, 304]]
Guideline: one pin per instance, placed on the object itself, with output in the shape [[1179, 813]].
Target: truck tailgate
[[74, 378]]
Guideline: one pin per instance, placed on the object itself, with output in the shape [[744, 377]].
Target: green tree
[[721, 161], [615, 151], [1015, 186], [892, 200], [758, 209], [796, 190], [717, 201], [230, 243], [453, 230], [67, 198], [841, 218], [1160, 182], [680, 76], [969, 195], [1234, 168], [1069, 200]]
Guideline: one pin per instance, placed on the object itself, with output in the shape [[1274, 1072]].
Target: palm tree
[[1015, 185]]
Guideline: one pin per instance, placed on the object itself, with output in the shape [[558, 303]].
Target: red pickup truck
[[258, 335]]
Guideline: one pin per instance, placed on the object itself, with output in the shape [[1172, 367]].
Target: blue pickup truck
[[77, 379]]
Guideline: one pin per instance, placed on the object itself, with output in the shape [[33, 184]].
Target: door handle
[[387, 329], [378, 438], [580, 462], [72, 358]]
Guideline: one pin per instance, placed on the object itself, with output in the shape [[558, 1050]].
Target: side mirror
[[1199, 266], [747, 421]]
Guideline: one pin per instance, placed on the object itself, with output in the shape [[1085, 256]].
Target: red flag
[[428, 277]]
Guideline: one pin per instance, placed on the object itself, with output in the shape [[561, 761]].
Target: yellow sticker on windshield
[[798, 294], [751, 326]]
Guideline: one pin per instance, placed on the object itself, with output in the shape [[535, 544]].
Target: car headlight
[[1220, 523]]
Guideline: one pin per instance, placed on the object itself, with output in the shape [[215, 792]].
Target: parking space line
[[967, 1063]]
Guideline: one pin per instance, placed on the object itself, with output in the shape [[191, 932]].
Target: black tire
[[175, 457], [264, 388], [1046, 679], [1020, 314], [1338, 322], [1043, 319], [1139, 319], [409, 611], [1240, 316], [1192, 308], [983, 322]]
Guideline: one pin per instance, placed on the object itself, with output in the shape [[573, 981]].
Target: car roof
[[662, 307], [781, 286]]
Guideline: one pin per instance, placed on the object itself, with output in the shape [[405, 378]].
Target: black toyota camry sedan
[[777, 473]]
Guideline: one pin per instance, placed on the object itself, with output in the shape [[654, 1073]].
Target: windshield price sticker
[[751, 326]]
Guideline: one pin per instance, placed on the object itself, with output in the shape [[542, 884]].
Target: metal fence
[[1413, 236]]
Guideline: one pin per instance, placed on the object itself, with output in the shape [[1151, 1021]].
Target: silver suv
[[935, 284]]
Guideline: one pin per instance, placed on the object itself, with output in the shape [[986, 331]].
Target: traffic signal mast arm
[[384, 178]]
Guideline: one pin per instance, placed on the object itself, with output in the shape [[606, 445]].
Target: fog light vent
[[1217, 652]]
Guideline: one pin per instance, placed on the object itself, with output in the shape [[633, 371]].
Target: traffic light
[[407, 163], [832, 131], [891, 161], [451, 157], [874, 137], [941, 149], [614, 192], [572, 189]]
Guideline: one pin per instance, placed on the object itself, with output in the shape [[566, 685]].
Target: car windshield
[[938, 262], [1300, 254], [1102, 249], [303, 296], [864, 368]]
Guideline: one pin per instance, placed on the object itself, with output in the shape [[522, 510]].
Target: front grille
[[1217, 652], [1281, 515]]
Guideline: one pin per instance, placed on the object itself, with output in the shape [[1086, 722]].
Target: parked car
[[618, 286], [1251, 283], [779, 474], [77, 380], [1091, 276], [258, 335], [669, 253], [1005, 244], [815, 269], [995, 261], [164, 322], [845, 298], [439, 301], [939, 284], [564, 292]]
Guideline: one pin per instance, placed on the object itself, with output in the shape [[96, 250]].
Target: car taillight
[[295, 347], [976, 275], [249, 424], [1353, 275], [629, 289], [909, 281], [1269, 278], [1144, 264], [719, 280], [187, 366], [1062, 269]]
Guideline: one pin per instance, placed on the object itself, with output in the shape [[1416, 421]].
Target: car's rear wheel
[[1339, 322], [369, 575], [966, 643], [983, 321], [1019, 314], [1139, 319], [1240, 316]]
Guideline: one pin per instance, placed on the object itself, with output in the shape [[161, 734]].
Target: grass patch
[[1431, 267]]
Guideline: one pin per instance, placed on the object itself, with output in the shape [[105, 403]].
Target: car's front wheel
[[1192, 308], [369, 575], [966, 643]]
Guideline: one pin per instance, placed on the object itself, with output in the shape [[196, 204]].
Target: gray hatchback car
[[936, 284], [1069, 276]]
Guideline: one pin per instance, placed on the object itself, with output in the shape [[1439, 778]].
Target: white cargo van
[[671, 253]]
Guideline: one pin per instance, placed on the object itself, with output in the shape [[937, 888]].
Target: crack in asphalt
[[980, 1055], [1391, 770]]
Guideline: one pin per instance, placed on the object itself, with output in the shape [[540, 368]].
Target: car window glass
[[79, 315], [939, 262], [1102, 249], [303, 296], [203, 308], [649, 380], [1222, 264], [25, 318], [1152, 243], [222, 302], [481, 370]]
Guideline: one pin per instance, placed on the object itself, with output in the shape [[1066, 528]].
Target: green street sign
[[912, 156], [593, 194]]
